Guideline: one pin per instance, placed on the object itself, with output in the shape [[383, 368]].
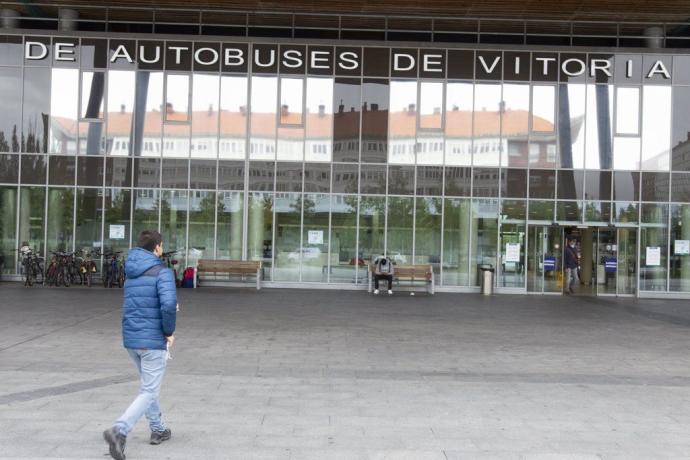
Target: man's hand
[[170, 340]]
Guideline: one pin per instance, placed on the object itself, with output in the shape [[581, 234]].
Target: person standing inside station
[[571, 263], [149, 317]]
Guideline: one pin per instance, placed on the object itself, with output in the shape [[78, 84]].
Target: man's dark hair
[[149, 239]]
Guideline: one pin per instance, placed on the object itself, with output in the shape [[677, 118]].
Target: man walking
[[148, 325], [571, 263]]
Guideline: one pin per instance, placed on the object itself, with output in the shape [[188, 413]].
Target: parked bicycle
[[63, 270], [87, 266], [172, 264], [32, 266], [113, 270]]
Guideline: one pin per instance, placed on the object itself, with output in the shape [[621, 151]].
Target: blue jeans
[[151, 367]]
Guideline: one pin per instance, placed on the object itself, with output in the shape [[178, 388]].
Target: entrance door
[[607, 259], [544, 256], [627, 257]]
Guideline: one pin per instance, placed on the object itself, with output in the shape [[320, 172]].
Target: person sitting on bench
[[383, 270]]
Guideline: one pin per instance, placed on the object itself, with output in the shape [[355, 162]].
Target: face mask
[[572, 245]]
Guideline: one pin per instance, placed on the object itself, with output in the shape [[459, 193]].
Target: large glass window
[[121, 88], [653, 247], [375, 103], [344, 258], [146, 210], [64, 108], [88, 219], [456, 241], [681, 128], [177, 98], [402, 122], [233, 117], [598, 127], [11, 97], [372, 218], [291, 128], [31, 210], [680, 256], [656, 127], [316, 256], [487, 124], [149, 126], [117, 220], [34, 138], [400, 223], [515, 125], [260, 230], [202, 222], [229, 233], [428, 233], [459, 98], [205, 94], [542, 147], [347, 94], [264, 101], [571, 125], [288, 214], [484, 236], [174, 222], [512, 244], [319, 122], [8, 230], [60, 219]]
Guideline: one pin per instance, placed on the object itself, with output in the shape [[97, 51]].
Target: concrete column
[[587, 245]]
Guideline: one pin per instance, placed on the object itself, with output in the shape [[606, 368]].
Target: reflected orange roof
[[459, 124]]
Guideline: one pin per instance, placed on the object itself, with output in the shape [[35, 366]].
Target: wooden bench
[[231, 267], [410, 273]]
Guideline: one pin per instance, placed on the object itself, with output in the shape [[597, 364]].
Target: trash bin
[[487, 280]]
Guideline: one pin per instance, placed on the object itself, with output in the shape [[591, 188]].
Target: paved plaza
[[298, 374]]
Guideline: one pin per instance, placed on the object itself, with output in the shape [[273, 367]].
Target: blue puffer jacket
[[149, 310]]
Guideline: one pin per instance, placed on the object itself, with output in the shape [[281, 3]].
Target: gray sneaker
[[158, 437], [116, 443]]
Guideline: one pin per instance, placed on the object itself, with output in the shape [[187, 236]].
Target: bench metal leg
[[433, 284], [369, 281], [258, 279]]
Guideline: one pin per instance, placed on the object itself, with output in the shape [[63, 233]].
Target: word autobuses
[[425, 62]]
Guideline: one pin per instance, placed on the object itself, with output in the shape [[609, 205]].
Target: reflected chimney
[[284, 110], [374, 107], [243, 109], [341, 107], [122, 108], [210, 109], [365, 107], [322, 110], [411, 108], [169, 107], [437, 110], [455, 108]]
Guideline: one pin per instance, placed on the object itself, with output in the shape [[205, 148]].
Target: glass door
[[627, 256], [606, 254], [544, 256]]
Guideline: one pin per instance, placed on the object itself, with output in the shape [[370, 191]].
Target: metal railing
[[342, 26]]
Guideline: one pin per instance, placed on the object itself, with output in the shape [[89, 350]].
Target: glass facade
[[317, 165]]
